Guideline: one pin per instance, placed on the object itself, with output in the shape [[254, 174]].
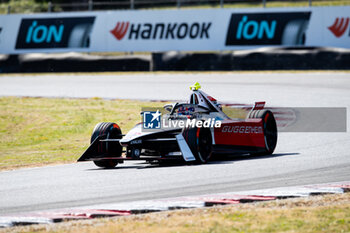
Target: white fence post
[[178, 3], [91, 5], [49, 7]]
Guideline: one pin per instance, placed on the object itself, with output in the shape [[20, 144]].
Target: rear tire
[[269, 128], [200, 142], [107, 130]]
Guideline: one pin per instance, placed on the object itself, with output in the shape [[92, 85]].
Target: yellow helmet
[[195, 87]]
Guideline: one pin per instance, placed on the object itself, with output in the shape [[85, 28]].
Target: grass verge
[[41, 131], [329, 213]]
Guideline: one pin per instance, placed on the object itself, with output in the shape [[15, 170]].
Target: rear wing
[[259, 105]]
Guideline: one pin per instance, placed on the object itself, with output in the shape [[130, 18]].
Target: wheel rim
[[204, 143]]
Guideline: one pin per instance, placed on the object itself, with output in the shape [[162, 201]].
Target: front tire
[[107, 130], [106, 163], [200, 142]]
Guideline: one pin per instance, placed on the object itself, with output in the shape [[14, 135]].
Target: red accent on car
[[247, 133], [266, 116], [259, 105], [211, 98]]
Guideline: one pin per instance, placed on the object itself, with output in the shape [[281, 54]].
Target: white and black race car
[[204, 132]]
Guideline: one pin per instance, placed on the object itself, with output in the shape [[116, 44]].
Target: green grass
[[292, 3], [23, 6], [38, 131], [289, 3], [30, 6], [259, 4]]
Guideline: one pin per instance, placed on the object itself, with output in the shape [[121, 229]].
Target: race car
[[192, 132]]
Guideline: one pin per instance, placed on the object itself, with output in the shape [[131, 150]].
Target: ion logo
[[161, 31], [120, 30], [339, 26], [267, 29], [151, 120], [39, 33], [253, 29]]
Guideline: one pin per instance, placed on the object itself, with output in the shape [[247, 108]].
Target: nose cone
[[133, 134]]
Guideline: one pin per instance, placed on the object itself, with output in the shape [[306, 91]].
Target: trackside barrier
[[258, 59], [175, 30], [72, 62]]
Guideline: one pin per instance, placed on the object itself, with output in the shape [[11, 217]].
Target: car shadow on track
[[227, 159], [144, 165], [118, 167], [231, 158]]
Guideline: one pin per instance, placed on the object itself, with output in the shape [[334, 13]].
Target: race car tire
[[107, 130], [199, 141], [269, 128], [107, 163]]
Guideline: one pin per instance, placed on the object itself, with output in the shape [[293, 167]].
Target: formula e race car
[[192, 132]]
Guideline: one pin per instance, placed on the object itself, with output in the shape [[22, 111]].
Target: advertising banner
[[267, 29], [175, 30], [69, 32]]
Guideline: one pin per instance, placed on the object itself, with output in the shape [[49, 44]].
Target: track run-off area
[[299, 159]]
